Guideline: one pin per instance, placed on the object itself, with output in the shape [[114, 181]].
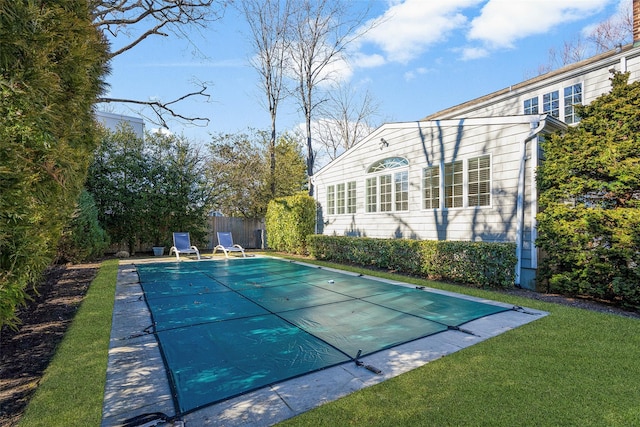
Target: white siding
[[429, 144], [593, 74], [492, 125], [113, 122]]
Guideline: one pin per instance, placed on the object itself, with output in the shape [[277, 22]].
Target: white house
[[113, 121], [467, 172]]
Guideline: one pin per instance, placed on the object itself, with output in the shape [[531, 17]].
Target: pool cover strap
[[369, 367]]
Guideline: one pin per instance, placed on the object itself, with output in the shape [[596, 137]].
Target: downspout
[[312, 181], [535, 129]]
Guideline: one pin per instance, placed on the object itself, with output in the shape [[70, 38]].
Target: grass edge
[[76, 376]]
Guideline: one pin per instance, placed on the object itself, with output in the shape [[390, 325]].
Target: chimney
[[636, 23]]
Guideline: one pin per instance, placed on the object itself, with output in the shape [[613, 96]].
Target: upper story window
[[561, 107], [572, 97], [389, 190], [551, 103], [531, 106]]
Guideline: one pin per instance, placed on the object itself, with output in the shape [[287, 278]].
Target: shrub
[[594, 253], [480, 264], [84, 239], [289, 221]]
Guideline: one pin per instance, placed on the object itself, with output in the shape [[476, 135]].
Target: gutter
[[536, 128]]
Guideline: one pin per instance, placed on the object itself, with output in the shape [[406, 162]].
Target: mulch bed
[[25, 354]]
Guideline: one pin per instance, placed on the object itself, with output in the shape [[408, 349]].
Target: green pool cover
[[229, 327]]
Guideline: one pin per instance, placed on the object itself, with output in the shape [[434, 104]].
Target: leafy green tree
[[240, 175], [178, 193], [145, 188], [290, 171], [589, 228], [117, 181], [52, 64]]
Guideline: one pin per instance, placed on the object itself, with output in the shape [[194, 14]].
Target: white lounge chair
[[182, 245], [226, 245]]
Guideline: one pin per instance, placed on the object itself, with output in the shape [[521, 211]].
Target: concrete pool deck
[[137, 382]]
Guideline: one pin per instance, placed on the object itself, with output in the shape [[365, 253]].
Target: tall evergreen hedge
[[52, 64], [289, 221]]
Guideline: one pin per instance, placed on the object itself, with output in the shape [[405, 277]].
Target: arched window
[[388, 163], [388, 190]]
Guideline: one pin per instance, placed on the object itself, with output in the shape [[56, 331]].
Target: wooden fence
[[248, 233]]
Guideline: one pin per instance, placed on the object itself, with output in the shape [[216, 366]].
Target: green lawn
[[72, 388], [573, 367]]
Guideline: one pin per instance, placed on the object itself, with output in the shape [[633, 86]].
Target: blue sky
[[425, 56]]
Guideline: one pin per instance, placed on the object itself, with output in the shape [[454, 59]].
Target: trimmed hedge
[[289, 222], [480, 264]]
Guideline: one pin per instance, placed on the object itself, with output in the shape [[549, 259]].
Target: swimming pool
[[229, 327]]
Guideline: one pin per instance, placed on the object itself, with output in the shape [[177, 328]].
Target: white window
[[372, 194], [331, 200], [340, 199], [531, 106], [386, 193], [453, 185], [392, 189], [431, 187], [351, 197], [551, 103], [401, 195], [479, 173], [572, 97]]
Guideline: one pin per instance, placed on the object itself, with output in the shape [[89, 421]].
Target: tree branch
[[119, 17], [136, 20], [159, 107]]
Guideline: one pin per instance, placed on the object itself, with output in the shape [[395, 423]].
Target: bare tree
[[347, 117], [268, 22], [321, 31], [615, 31], [136, 20], [607, 35]]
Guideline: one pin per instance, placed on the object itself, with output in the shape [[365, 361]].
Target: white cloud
[[362, 60], [337, 71], [469, 53], [502, 22], [409, 28], [412, 74]]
